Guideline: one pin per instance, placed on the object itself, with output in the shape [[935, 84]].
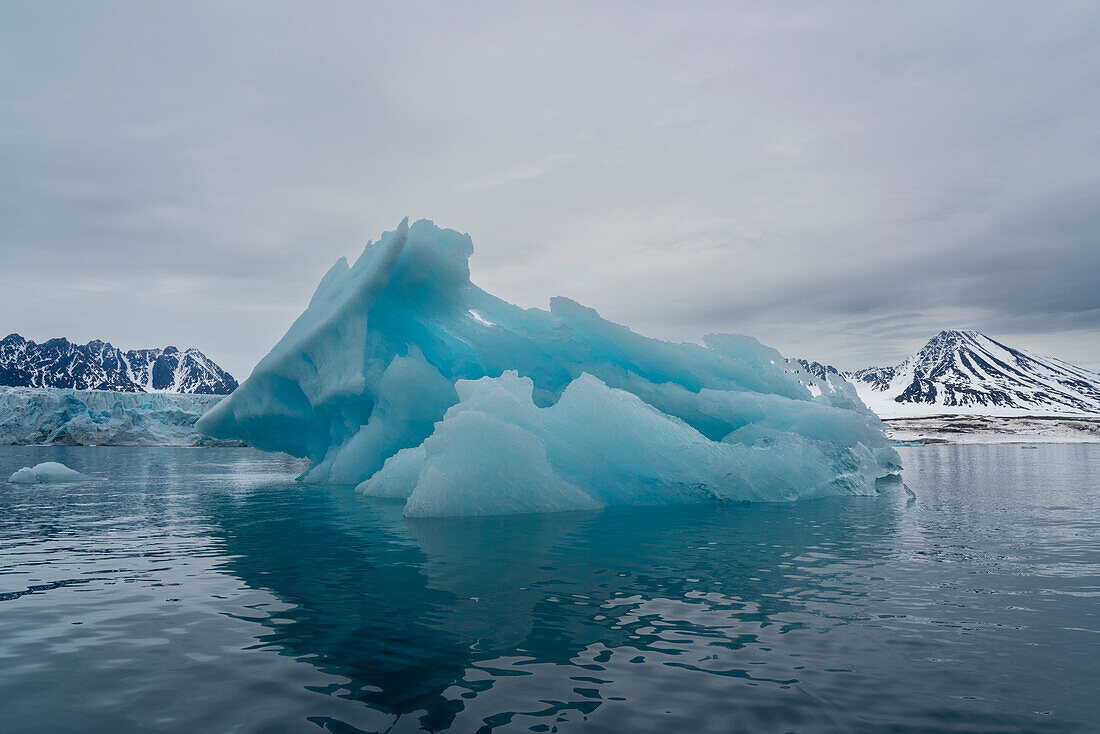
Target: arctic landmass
[[964, 387], [406, 379], [968, 428], [99, 365], [968, 373], [58, 416]]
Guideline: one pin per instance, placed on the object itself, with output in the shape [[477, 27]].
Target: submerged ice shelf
[[406, 379]]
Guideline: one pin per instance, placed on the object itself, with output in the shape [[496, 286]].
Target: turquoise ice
[[405, 378]]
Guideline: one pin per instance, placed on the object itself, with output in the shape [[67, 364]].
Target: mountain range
[[968, 372], [957, 371], [99, 365]]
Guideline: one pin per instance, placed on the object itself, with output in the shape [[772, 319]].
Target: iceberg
[[48, 472], [406, 379]]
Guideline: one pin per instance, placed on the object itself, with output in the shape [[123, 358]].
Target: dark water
[[200, 590]]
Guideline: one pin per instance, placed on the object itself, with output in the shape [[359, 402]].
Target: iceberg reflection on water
[[212, 574]]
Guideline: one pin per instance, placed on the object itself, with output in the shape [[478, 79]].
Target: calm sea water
[[193, 590]]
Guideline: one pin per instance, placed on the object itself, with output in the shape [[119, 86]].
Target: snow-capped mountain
[[170, 370], [98, 365], [967, 372]]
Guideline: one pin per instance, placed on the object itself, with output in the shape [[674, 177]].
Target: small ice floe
[[49, 472]]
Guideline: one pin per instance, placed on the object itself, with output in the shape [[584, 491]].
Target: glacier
[[404, 378], [67, 417]]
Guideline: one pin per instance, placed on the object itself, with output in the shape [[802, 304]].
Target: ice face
[[49, 472], [33, 415], [405, 378]]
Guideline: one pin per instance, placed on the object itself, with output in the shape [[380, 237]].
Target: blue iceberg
[[408, 380]]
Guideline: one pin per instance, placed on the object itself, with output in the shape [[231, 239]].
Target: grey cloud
[[838, 180]]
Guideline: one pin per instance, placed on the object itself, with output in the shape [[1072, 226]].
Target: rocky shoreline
[[993, 429]]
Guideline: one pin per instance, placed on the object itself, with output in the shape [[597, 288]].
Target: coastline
[[987, 429]]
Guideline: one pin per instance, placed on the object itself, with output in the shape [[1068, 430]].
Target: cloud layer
[[838, 180]]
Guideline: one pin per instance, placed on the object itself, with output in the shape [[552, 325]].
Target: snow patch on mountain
[[99, 365], [967, 372]]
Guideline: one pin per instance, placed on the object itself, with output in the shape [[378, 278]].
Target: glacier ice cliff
[[406, 379], [66, 417]]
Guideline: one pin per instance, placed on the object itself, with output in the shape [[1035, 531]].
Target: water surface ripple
[[193, 590]]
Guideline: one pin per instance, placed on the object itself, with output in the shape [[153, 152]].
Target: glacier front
[[67, 417], [405, 378]]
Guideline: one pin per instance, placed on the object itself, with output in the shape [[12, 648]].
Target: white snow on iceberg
[[48, 472], [405, 378]]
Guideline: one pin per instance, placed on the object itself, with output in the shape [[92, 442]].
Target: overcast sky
[[840, 181]]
